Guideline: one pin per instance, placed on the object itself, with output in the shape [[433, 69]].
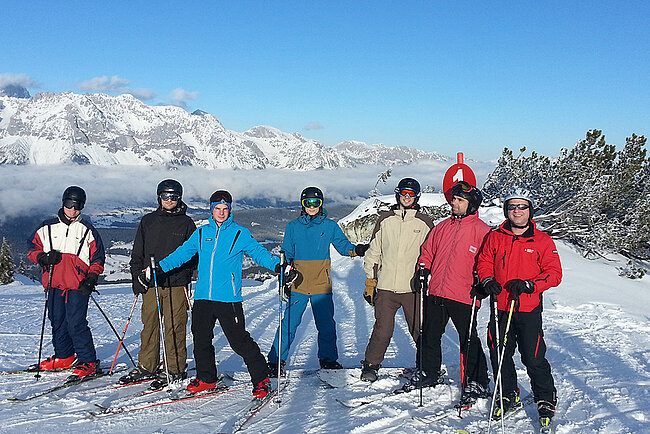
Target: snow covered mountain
[[98, 129]]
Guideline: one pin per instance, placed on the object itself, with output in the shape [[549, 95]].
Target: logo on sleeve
[[473, 249], [529, 250]]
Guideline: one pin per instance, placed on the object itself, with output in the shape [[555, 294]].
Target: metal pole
[[283, 266], [501, 355], [463, 372], [424, 287], [50, 268], [128, 320], [162, 334], [111, 325]]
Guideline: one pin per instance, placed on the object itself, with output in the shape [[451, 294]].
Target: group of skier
[[409, 262]]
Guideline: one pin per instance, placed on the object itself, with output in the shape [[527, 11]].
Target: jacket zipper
[[234, 292], [214, 249]]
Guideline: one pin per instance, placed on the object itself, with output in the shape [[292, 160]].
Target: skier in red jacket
[[519, 262]]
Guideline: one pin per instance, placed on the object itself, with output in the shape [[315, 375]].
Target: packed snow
[[596, 327]]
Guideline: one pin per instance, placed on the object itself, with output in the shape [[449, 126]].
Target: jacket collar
[[506, 228], [181, 209], [318, 219], [229, 221]]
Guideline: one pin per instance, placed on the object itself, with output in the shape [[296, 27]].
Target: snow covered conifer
[[6, 263]]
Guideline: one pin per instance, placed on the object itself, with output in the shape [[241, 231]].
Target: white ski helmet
[[518, 193]]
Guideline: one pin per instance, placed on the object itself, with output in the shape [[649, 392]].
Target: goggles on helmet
[[464, 186], [405, 192], [72, 203], [169, 196], [521, 206], [312, 202]]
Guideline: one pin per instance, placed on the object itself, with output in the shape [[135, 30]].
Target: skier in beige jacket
[[390, 264]]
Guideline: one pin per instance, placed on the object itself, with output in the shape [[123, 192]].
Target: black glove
[[52, 257], [290, 275], [360, 249], [140, 284], [518, 287], [87, 285], [420, 276], [491, 286], [477, 289]]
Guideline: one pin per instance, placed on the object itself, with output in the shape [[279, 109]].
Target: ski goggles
[[405, 192], [312, 202], [72, 203], [169, 196], [464, 186], [521, 206]]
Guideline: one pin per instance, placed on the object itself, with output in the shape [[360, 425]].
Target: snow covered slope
[[596, 325]]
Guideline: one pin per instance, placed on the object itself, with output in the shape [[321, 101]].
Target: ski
[[112, 411], [56, 388], [242, 417], [369, 399], [31, 370]]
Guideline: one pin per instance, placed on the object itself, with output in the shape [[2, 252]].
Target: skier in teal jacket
[[307, 247]]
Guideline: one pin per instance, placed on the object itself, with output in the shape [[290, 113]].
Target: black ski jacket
[[160, 233]]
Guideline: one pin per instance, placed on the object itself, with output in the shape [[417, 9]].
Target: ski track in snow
[[597, 335]]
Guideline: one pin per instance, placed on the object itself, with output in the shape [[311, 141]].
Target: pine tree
[[6, 263]]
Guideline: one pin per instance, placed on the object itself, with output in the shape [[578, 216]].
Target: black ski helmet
[[74, 196], [312, 193], [169, 186], [408, 184], [467, 191]]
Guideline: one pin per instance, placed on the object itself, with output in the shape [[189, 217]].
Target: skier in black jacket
[[159, 234]]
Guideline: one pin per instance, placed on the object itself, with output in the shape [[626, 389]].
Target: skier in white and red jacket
[[71, 246]]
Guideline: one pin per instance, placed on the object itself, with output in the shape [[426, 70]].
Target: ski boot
[[55, 364], [262, 389], [546, 411], [137, 374], [161, 381], [510, 403], [426, 380], [472, 392], [369, 372], [324, 364]]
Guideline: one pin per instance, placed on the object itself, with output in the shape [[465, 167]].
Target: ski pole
[[283, 266], [111, 325], [187, 296], [463, 372], [128, 320], [50, 268], [162, 335], [424, 286], [501, 356]]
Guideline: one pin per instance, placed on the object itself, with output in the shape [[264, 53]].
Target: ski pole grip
[[283, 259]]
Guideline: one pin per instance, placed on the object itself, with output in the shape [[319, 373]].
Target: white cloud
[[23, 80], [313, 126], [182, 94], [143, 94], [114, 84], [108, 188]]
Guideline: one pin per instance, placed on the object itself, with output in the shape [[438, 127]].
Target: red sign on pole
[[457, 172]]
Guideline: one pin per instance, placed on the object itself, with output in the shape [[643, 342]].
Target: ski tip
[[462, 431]]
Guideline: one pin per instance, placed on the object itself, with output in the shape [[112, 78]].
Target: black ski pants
[[205, 313], [437, 312], [525, 333]]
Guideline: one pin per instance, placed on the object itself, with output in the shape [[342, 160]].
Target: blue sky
[[451, 77]]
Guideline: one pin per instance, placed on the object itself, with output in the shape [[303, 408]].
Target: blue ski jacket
[[221, 253]]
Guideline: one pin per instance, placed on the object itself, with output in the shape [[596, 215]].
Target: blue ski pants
[[322, 306], [70, 332]]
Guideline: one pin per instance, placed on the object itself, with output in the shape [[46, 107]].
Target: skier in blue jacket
[[221, 245], [307, 247]]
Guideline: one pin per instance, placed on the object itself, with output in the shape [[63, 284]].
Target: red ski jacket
[[450, 253], [531, 256]]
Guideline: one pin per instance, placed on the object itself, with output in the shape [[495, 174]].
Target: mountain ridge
[[104, 130]]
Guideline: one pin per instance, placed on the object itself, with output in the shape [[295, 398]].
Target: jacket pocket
[[234, 291]]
